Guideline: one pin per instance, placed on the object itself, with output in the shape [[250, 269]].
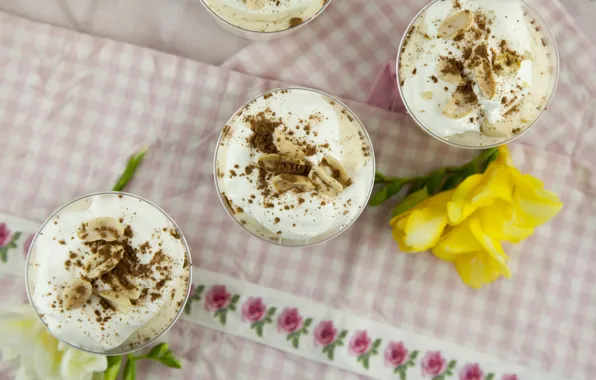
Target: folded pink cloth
[[384, 93]]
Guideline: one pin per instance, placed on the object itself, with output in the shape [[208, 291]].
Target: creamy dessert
[[108, 273], [294, 166], [265, 15], [476, 70]]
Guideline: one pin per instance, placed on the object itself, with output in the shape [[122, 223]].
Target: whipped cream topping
[[265, 15], [321, 128], [501, 35], [59, 257]]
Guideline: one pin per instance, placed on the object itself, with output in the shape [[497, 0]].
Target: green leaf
[[188, 307], [3, 255], [235, 298], [484, 164], [307, 322], [331, 352], [198, 292], [402, 375], [490, 376], [365, 362], [451, 365], [169, 360], [114, 363], [158, 351], [130, 369], [433, 185], [268, 320], [453, 181], [271, 311], [414, 355], [260, 330], [343, 334], [376, 344], [295, 342], [15, 238], [387, 191], [129, 171], [381, 178], [411, 201], [232, 307], [416, 185]]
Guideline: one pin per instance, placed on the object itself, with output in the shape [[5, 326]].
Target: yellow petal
[[492, 247], [497, 184], [424, 228], [498, 222], [533, 205], [437, 200], [504, 157], [398, 236], [459, 240], [459, 208], [476, 269]]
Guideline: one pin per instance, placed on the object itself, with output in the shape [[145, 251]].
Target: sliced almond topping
[[284, 146], [456, 108], [507, 63], [117, 300], [285, 182], [280, 164], [255, 5], [336, 170], [456, 24], [427, 95], [324, 180], [77, 292], [448, 72], [131, 293], [102, 264], [486, 80], [107, 228]]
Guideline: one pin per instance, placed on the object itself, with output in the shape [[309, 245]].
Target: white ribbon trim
[[210, 307]]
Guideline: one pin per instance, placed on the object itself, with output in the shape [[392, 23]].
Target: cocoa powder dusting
[[262, 132]]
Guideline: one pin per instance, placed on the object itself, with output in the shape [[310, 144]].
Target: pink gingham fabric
[[74, 107], [346, 48]]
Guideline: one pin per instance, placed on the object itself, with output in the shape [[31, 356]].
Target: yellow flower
[[522, 201], [478, 258], [419, 228]]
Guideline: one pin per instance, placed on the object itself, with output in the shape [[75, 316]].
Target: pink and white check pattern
[[73, 107]]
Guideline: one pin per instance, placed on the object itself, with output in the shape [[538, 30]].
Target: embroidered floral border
[[305, 328]]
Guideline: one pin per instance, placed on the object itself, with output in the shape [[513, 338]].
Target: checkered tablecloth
[[73, 107]]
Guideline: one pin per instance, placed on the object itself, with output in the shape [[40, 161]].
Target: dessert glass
[[135, 342], [257, 229], [485, 142], [255, 35]]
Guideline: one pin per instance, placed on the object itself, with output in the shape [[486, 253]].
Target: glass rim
[[271, 32], [340, 231], [113, 351], [555, 50]]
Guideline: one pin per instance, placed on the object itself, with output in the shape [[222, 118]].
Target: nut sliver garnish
[[78, 291], [456, 24], [116, 300], [106, 228]]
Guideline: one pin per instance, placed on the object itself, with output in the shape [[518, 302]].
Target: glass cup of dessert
[[263, 20], [477, 73], [108, 273], [294, 167]]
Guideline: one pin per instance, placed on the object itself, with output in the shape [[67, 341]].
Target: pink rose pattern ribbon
[[291, 323], [218, 301], [8, 241]]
